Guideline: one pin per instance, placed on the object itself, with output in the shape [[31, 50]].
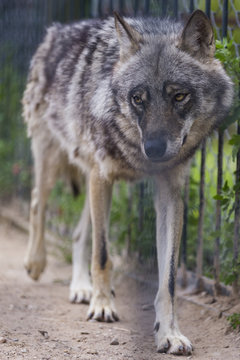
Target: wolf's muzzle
[[155, 148]]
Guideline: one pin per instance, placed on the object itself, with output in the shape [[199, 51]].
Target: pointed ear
[[198, 37], [129, 39]]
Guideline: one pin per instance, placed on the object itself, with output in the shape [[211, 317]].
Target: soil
[[38, 322]]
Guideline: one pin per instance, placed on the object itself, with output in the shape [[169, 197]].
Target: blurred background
[[210, 244]]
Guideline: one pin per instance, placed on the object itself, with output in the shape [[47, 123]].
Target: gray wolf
[[122, 99]]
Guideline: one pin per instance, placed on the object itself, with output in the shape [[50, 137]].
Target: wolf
[[122, 98]]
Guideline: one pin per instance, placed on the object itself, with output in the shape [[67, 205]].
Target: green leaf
[[235, 140], [218, 197], [225, 187]]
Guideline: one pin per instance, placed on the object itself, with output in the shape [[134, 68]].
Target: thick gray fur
[[122, 99]]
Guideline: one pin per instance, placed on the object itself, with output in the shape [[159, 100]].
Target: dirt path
[[37, 322]]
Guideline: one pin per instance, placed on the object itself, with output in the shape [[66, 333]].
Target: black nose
[[155, 148]]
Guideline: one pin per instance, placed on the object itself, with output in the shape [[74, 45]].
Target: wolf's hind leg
[[102, 306], [45, 169], [81, 288]]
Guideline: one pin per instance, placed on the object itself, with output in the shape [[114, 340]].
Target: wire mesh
[[22, 25]]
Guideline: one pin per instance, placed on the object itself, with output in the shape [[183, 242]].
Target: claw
[[115, 316], [98, 317], [167, 345], [89, 317], [171, 341], [102, 308], [189, 350], [164, 348], [179, 351], [80, 295], [73, 300], [109, 319]]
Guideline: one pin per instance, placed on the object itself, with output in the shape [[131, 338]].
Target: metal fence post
[[237, 218], [135, 7], [122, 7], [100, 14], [164, 8], [236, 224], [111, 6], [208, 8], [216, 261], [184, 233], [175, 9], [225, 18], [199, 271], [191, 6], [146, 7]]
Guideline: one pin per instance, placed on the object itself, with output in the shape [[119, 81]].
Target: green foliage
[[226, 198], [229, 268], [67, 207], [121, 215], [63, 215], [235, 142], [133, 219], [146, 234], [234, 320], [14, 146], [225, 52]]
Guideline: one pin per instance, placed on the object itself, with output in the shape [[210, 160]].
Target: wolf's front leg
[[101, 306], [46, 168], [35, 259], [169, 208], [81, 287]]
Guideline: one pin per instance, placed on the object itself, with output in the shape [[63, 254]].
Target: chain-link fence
[[22, 26]]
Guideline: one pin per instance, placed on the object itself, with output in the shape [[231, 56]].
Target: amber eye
[[137, 100], [179, 97]]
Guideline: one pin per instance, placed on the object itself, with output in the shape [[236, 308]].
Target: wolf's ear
[[129, 39], [198, 37]]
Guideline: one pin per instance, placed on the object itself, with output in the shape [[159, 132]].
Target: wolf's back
[[61, 45]]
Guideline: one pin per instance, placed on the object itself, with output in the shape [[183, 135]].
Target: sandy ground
[[38, 322]]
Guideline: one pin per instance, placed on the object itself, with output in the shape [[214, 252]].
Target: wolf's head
[[169, 84]]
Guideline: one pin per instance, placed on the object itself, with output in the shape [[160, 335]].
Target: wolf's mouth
[[159, 159]]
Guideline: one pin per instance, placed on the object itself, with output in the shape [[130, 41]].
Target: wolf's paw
[[175, 344], [80, 292], [102, 309], [35, 264]]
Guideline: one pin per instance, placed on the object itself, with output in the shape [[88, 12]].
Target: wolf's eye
[[137, 100], [179, 97]]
